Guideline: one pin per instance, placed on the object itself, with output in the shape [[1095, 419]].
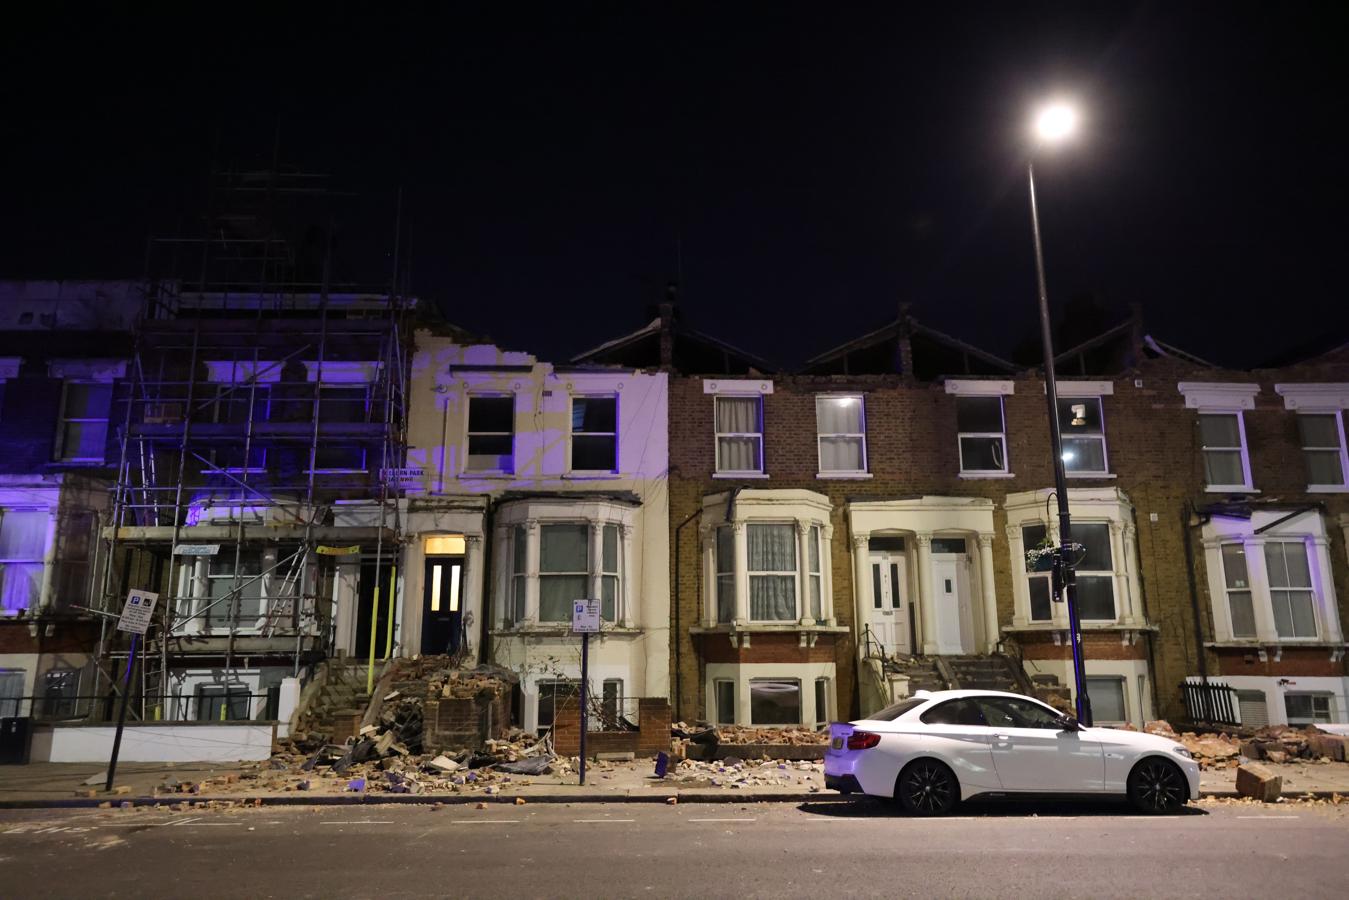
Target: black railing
[[238, 705], [1210, 704]]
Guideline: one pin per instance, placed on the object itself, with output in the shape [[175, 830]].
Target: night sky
[[799, 169]]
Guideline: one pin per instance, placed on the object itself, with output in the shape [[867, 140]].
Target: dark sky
[[800, 169]]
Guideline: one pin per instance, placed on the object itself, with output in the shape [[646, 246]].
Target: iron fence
[[1211, 704]]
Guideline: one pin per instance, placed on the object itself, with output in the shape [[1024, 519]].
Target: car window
[[1010, 712], [954, 712], [895, 710]]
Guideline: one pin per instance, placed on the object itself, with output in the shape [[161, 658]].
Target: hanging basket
[[1041, 558]]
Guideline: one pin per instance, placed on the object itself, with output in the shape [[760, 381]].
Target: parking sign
[[585, 617], [137, 611]]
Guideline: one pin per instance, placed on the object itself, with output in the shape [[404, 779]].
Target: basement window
[[223, 703], [774, 701], [1307, 709], [1107, 700], [725, 693]]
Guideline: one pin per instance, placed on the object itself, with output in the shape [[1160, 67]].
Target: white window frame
[[1314, 696], [1246, 486], [572, 433], [38, 561], [1000, 435], [588, 572], [982, 388], [1339, 449], [717, 685], [1099, 436], [860, 436], [1309, 590], [1229, 590], [1100, 573], [1116, 680], [1322, 399], [823, 715], [779, 679], [1223, 399], [1047, 577], [469, 435], [64, 420], [757, 435]]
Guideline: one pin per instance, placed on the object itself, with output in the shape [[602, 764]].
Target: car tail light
[[863, 740]]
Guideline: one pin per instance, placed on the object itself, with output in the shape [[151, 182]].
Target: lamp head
[[1055, 123]]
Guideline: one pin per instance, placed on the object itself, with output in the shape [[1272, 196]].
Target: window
[[840, 425], [739, 434], [821, 702], [1222, 438], [611, 703], [1012, 712], [564, 570], [11, 692], [222, 596], [1041, 605], [519, 574], [1083, 430], [60, 693], [84, 421], [1239, 604], [222, 703], [609, 573], [772, 572], [725, 553], [491, 434], [725, 689], [982, 439], [816, 575], [553, 695], [1094, 572], [1290, 589], [894, 711], [774, 701], [1323, 448], [594, 434], [23, 541], [1107, 699], [348, 403], [955, 712], [1307, 709]]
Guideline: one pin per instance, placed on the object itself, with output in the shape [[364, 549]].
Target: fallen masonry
[[1276, 743]]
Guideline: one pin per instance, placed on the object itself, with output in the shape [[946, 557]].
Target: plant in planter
[[1040, 558]]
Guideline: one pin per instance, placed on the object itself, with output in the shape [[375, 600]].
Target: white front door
[[889, 613], [951, 597]]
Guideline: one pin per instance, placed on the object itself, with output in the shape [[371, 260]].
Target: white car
[[933, 750]]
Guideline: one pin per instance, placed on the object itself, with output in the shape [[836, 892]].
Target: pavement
[[64, 784], [1215, 848]]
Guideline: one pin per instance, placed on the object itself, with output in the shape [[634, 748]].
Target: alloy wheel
[[1157, 786], [926, 788]]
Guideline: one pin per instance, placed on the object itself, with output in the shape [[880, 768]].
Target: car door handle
[[1002, 738]]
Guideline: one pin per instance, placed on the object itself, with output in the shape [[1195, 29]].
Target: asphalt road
[[702, 850]]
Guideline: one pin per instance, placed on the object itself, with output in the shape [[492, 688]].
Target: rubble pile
[[1274, 743], [733, 772], [746, 734]]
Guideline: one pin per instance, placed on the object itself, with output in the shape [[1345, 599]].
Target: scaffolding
[[262, 429]]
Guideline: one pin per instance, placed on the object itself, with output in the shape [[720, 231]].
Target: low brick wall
[[459, 722], [653, 736]]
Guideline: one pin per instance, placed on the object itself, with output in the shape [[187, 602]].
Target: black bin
[[16, 738]]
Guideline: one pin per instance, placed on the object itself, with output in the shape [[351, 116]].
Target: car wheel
[[1157, 786], [927, 788]]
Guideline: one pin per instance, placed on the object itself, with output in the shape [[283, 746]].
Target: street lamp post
[[1054, 124]]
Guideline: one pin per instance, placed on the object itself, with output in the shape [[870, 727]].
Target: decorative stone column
[[625, 601], [989, 591], [927, 612], [471, 600], [861, 583], [708, 542], [595, 535], [531, 572], [1324, 591], [827, 575], [803, 573], [499, 605], [741, 573]]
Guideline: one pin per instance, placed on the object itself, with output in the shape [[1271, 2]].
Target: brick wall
[[653, 736], [458, 722]]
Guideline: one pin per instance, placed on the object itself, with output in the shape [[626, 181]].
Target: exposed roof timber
[[1093, 343], [885, 332], [1164, 349], [758, 361], [958, 344], [857, 343], [652, 327]]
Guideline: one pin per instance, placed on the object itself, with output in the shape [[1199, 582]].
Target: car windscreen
[[894, 711]]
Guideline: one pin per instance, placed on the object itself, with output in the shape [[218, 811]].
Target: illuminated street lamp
[[1055, 124]]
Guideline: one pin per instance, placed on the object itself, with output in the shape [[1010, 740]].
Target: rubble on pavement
[[736, 773], [1274, 743]]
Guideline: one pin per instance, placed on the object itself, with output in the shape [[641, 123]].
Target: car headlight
[[1181, 751]]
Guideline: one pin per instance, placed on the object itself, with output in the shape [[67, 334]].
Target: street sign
[[585, 617], [137, 611], [322, 550], [197, 549]]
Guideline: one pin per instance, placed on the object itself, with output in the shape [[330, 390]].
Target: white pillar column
[[201, 597], [708, 539], [861, 584], [827, 574], [1133, 595], [471, 604], [927, 612], [596, 554], [803, 575], [346, 603], [497, 602], [1020, 590], [741, 573], [531, 571], [989, 591], [44, 597], [1324, 587], [626, 603]]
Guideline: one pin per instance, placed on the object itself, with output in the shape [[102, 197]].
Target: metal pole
[[121, 715], [585, 679], [1060, 481]]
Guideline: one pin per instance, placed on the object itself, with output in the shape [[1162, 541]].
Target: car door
[[1032, 752], [956, 732]]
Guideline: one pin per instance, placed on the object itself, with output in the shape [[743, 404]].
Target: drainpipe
[[678, 631]]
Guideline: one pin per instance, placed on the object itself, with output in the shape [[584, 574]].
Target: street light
[[1054, 124]]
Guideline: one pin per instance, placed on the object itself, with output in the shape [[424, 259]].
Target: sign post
[[585, 621], [136, 615]]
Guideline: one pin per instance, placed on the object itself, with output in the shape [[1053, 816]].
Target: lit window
[[1240, 606], [1290, 589], [1323, 448], [443, 545], [23, 539], [739, 434], [84, 421], [982, 437], [772, 572], [491, 434], [1223, 443], [594, 434], [1083, 431], [774, 701], [840, 425]]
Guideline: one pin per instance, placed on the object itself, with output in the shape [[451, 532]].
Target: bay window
[[725, 563], [564, 567], [1290, 589], [1240, 607], [1038, 576], [1095, 572], [772, 572]]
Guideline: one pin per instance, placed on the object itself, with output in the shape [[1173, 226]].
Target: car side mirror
[[1068, 723]]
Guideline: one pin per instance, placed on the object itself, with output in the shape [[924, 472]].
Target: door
[[380, 623], [1031, 752], [442, 617], [889, 613], [951, 595]]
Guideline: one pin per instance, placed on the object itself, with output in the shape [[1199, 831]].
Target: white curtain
[[772, 548], [841, 454], [23, 537], [738, 415], [839, 415], [562, 549]]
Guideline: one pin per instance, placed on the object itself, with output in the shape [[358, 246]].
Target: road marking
[[843, 819], [722, 820], [183, 821], [1267, 817], [604, 820], [486, 822], [360, 822]]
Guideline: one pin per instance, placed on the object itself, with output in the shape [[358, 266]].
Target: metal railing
[[1211, 704], [237, 706]]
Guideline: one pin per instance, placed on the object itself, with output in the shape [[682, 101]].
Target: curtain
[[738, 415], [558, 592], [839, 415], [841, 454], [772, 548], [564, 548]]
